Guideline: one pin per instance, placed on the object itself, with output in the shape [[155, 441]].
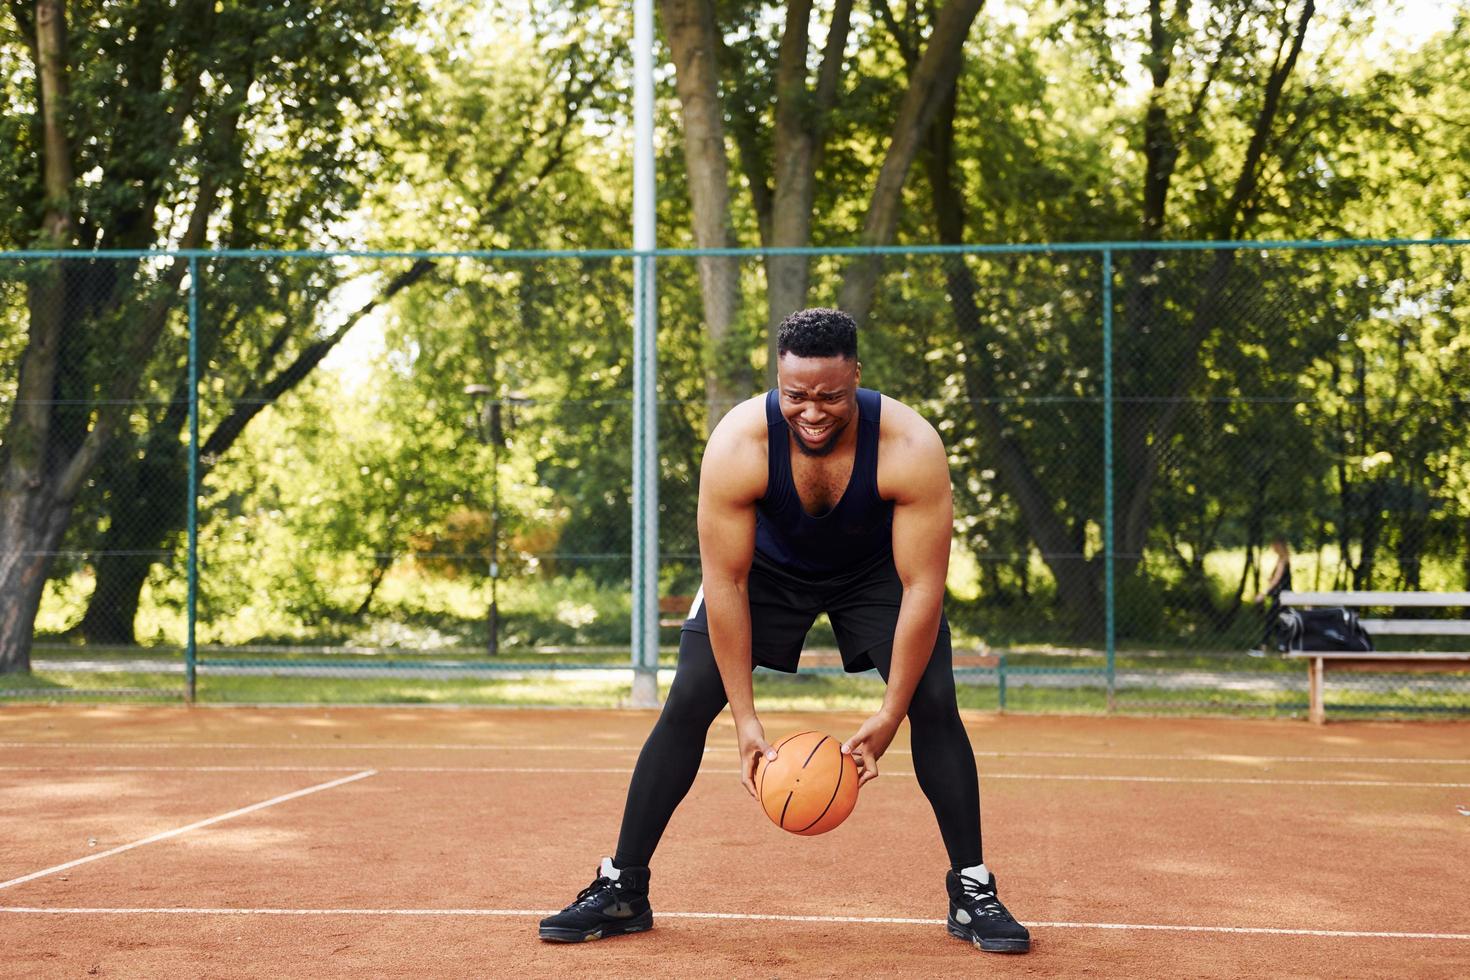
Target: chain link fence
[[414, 472]]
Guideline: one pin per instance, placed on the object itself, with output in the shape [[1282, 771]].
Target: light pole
[[488, 429]]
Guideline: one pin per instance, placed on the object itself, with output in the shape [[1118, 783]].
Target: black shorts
[[862, 607]]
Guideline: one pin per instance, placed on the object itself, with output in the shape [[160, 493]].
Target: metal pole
[[193, 563], [645, 372], [494, 624], [488, 432], [1108, 556], [645, 494]]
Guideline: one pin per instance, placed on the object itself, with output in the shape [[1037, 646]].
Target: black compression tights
[[943, 760]]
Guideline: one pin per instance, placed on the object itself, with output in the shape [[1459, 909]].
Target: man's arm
[[923, 519], [731, 478]]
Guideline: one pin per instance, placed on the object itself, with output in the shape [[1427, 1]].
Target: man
[[819, 496]]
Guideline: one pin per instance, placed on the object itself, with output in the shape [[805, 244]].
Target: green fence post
[[1000, 680], [189, 649], [1109, 600]]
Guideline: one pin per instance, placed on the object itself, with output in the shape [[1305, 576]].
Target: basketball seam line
[[840, 769], [790, 737], [760, 790], [814, 751]]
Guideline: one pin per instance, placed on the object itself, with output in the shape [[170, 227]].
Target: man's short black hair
[[818, 332]]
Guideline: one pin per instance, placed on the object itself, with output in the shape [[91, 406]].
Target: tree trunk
[[148, 506], [381, 563], [1145, 435], [1076, 577], [113, 607], [690, 27], [1414, 528], [1465, 561], [31, 527], [1372, 516], [31, 519], [48, 449], [795, 181], [801, 128], [51, 69], [932, 79]]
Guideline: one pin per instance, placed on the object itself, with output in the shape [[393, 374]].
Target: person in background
[[1279, 582]]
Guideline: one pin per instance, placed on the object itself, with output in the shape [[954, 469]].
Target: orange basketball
[[811, 787]]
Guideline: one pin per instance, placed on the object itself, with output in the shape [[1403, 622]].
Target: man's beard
[[825, 449]]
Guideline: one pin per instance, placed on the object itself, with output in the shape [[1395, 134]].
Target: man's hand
[[871, 741], [752, 737]]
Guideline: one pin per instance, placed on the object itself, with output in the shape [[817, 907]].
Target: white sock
[[978, 873], [610, 870]]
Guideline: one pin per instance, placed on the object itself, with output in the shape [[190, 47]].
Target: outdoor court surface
[[365, 842]]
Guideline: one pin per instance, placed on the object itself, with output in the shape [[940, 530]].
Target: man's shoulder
[[736, 453], [902, 425], [913, 465], [744, 421]]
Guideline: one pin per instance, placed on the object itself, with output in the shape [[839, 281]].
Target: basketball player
[[819, 496]]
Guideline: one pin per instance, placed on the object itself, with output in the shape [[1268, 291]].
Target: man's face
[[818, 399]]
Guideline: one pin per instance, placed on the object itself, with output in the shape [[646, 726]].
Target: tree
[[474, 185], [729, 67], [144, 121], [1249, 49], [693, 41]]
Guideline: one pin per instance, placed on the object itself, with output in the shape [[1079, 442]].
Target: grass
[[777, 692], [613, 656], [1035, 655], [90, 686]]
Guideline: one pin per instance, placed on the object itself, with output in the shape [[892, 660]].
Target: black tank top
[[855, 534]]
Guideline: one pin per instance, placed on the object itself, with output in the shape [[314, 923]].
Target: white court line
[[63, 767], [990, 754], [1221, 781], [590, 770], [165, 835], [857, 919]]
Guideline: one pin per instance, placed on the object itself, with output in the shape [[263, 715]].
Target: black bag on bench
[[1322, 629]]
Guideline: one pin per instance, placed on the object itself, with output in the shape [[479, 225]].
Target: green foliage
[[273, 104], [1318, 394]]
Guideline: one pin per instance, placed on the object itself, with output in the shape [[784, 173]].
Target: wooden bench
[[1317, 660], [673, 609]]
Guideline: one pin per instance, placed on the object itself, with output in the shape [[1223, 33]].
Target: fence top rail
[[1351, 598], [613, 253]]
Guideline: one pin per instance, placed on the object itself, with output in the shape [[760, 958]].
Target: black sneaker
[[614, 904], [976, 915]]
